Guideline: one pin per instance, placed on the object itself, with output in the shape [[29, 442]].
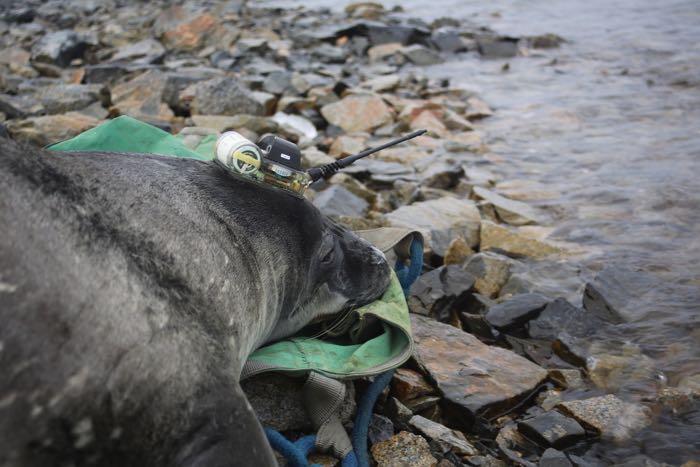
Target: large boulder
[[474, 378]]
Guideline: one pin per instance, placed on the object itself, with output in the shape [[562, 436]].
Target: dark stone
[[497, 47], [616, 294], [441, 290], [475, 379], [516, 311], [60, 47], [3, 131], [61, 98], [23, 14], [447, 40], [554, 458], [559, 316], [422, 403], [105, 73], [477, 325], [552, 429], [177, 81], [380, 429], [378, 33], [222, 59], [398, 413], [339, 201]]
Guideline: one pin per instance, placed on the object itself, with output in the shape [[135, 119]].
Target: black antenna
[[327, 170]]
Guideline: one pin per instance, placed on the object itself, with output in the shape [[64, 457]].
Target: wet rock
[[60, 98], [475, 379], [447, 39], [509, 211], [457, 252], [567, 379], [497, 47], [514, 243], [22, 14], [403, 449], [430, 121], [221, 96], [612, 367], [408, 384], [367, 10], [516, 311], [278, 401], [421, 56], [552, 429], [141, 97], [380, 429], [358, 112], [344, 145], [553, 458], [446, 439], [491, 271], [510, 442], [442, 219], [477, 108], [49, 129], [147, 51], [438, 173], [380, 171], [20, 106], [561, 316], [61, 47], [438, 292], [339, 201], [615, 294], [379, 33], [608, 415]]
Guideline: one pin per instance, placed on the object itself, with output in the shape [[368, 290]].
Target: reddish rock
[[50, 128], [474, 378], [358, 112], [408, 384], [186, 32]]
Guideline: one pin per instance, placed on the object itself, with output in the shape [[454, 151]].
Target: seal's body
[[133, 288]]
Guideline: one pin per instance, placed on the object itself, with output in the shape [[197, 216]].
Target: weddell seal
[[133, 288]]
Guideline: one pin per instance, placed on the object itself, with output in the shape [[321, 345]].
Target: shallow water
[[604, 133]]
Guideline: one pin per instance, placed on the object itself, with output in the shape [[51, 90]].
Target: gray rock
[[60, 47], [177, 81], [445, 217], [510, 211], [447, 39], [379, 33], [147, 51], [278, 402], [327, 53], [474, 378], [222, 96], [380, 429], [497, 47], [20, 106], [552, 429], [553, 458], [380, 171], [277, 82], [516, 311], [420, 55], [618, 294], [105, 73], [337, 200], [561, 316], [446, 439], [61, 98], [439, 291]]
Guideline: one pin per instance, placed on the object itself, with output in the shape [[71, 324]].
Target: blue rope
[[297, 452], [408, 274], [364, 416]]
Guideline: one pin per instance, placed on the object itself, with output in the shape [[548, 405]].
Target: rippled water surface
[[604, 132]]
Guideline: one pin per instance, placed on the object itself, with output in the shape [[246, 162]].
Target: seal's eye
[[328, 257]]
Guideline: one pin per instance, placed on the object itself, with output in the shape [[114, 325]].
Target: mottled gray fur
[[133, 288]]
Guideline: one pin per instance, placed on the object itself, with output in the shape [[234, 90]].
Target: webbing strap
[[323, 397]]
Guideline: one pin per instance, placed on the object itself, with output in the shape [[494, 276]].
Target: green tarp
[[391, 342]]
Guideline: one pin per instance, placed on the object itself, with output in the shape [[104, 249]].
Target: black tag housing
[[281, 151]]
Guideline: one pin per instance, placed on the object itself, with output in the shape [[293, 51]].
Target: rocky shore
[[507, 368]]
